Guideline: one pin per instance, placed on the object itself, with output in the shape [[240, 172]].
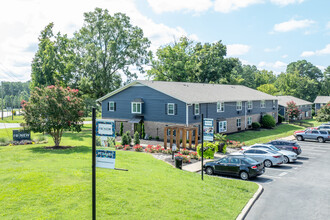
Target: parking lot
[[299, 190]]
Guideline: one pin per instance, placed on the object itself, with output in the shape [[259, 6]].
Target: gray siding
[[210, 110], [153, 107]]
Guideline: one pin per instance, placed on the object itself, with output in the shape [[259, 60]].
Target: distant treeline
[[13, 93]]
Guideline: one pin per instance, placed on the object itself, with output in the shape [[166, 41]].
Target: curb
[[249, 205]]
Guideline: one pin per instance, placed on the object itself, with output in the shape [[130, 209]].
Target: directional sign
[[105, 127], [105, 159], [208, 129]]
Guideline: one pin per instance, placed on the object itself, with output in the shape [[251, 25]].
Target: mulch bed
[[58, 148]]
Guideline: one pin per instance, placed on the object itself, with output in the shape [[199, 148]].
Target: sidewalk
[[196, 167]]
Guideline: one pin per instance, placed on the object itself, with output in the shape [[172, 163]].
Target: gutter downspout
[[245, 113], [187, 114]]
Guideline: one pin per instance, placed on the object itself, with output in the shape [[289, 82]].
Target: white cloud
[[277, 67], [285, 56], [328, 25], [22, 21], [322, 68], [268, 50], [292, 25], [226, 6], [324, 51], [160, 6], [237, 49], [285, 2]]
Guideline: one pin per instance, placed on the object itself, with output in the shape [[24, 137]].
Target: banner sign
[[105, 159], [19, 135], [208, 129], [105, 127]]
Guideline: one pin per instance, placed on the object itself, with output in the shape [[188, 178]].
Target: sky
[[267, 33]]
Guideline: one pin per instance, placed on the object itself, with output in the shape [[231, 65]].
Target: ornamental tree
[[292, 110], [53, 109], [324, 113]]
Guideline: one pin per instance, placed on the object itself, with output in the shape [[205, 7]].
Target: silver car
[[324, 127], [289, 156], [319, 135], [268, 157]]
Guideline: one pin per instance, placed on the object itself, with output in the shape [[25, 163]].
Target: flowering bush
[[127, 147], [185, 151], [138, 148], [118, 147], [150, 149], [185, 158], [167, 151], [159, 149], [292, 110], [235, 144], [194, 155]]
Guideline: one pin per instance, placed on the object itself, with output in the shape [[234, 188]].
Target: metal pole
[[93, 165], [202, 145], [12, 103]]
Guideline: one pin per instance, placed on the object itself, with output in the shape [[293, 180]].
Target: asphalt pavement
[[299, 190]]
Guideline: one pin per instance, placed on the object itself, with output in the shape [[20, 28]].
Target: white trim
[[225, 122], [262, 105], [168, 112], [251, 104], [222, 105], [136, 112], [249, 120], [240, 122], [113, 106], [198, 109], [241, 106]]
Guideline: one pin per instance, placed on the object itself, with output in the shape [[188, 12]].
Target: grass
[[36, 183], [17, 119], [265, 135]]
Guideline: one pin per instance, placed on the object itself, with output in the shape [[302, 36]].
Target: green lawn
[[36, 183], [265, 135], [17, 119]]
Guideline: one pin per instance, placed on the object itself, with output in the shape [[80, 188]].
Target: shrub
[[209, 150], [280, 118], [157, 138], [128, 133], [143, 132], [111, 142], [121, 131], [268, 121], [185, 152], [234, 144], [136, 138], [194, 155], [138, 148], [118, 147], [224, 149], [324, 113], [185, 158], [256, 125], [150, 149], [167, 151], [150, 138], [4, 141], [127, 147], [124, 140]]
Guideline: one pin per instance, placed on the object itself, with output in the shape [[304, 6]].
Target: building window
[[196, 109], [220, 107], [238, 122], [222, 126], [111, 106], [274, 103], [307, 115], [136, 107], [262, 104], [249, 121], [250, 106], [273, 114], [238, 106], [170, 108]]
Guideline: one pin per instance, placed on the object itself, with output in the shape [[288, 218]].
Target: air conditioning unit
[[237, 112], [197, 117], [249, 110], [238, 129]]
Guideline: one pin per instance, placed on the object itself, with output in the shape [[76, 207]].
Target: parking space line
[[283, 174], [281, 170], [269, 176]]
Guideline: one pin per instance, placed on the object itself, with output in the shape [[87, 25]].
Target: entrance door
[[138, 128]]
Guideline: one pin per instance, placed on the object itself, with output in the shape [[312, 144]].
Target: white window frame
[[249, 121], [274, 103], [224, 128], [220, 106], [240, 122], [262, 103], [306, 114], [250, 104], [113, 106], [239, 104], [168, 108], [197, 107], [132, 107]]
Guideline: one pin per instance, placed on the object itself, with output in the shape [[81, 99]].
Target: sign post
[[207, 134], [93, 166]]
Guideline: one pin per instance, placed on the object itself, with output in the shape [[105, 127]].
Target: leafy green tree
[[107, 46], [53, 109], [292, 110], [305, 69], [324, 113], [264, 77], [249, 75], [54, 60], [268, 88], [325, 83]]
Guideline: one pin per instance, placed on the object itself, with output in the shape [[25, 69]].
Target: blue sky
[[267, 33]]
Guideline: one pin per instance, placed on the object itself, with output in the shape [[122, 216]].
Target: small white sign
[[105, 127], [105, 159]]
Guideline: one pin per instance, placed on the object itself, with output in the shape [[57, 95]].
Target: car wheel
[[244, 175], [268, 163], [320, 139], [286, 159], [209, 170], [300, 138]]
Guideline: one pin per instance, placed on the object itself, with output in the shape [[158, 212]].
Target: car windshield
[[250, 160], [274, 148], [273, 152]]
